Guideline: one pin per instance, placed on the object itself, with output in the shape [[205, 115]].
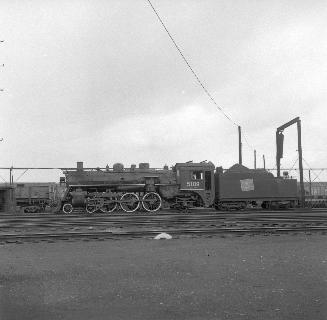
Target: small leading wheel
[[109, 206], [67, 208], [151, 201], [129, 202]]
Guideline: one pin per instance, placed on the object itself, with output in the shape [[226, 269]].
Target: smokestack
[[80, 166]]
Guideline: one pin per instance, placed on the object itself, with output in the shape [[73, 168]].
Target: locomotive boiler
[[130, 189]]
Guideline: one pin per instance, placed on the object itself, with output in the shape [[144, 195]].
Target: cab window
[[208, 180], [197, 175]]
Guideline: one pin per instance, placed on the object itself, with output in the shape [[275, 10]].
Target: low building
[[317, 190], [7, 198], [29, 196]]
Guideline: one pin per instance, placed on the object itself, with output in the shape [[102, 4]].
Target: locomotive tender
[[238, 187], [183, 186]]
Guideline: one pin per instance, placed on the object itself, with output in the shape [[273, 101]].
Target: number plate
[[193, 184]]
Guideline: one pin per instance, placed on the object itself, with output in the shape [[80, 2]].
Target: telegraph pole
[[310, 184], [239, 145], [2, 65], [255, 159], [299, 144], [10, 175], [1, 89]]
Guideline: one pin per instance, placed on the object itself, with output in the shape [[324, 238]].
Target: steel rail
[[147, 220], [165, 216], [146, 223], [147, 233], [46, 227], [173, 213]]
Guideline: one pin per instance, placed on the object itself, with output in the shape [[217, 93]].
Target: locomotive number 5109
[[193, 184]]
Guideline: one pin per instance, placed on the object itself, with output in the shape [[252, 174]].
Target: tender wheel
[[109, 206], [130, 202], [67, 208], [151, 202]]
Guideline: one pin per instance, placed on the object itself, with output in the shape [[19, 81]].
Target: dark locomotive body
[[183, 186]]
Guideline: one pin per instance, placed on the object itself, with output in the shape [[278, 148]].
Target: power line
[[317, 175], [295, 162], [191, 69], [306, 163], [246, 141], [196, 76]]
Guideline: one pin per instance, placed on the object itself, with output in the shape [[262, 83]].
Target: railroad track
[[198, 211], [165, 213], [55, 221], [176, 233], [39, 228], [154, 221]]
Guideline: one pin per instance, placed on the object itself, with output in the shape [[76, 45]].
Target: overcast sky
[[101, 82]]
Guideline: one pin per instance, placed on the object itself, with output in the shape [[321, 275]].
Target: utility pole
[[255, 159], [310, 184], [264, 161], [239, 145], [299, 144], [10, 176], [1, 89], [2, 65]]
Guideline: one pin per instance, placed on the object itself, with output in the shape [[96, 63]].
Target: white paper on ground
[[163, 236]]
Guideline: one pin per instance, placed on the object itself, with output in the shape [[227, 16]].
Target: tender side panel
[[246, 186]]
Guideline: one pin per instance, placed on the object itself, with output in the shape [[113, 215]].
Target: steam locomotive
[[183, 186]]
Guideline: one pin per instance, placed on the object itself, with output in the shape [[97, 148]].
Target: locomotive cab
[[197, 179]]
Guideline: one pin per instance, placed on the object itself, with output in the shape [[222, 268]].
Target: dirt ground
[[249, 277]]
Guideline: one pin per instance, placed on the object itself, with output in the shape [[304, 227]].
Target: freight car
[[183, 186], [35, 197]]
